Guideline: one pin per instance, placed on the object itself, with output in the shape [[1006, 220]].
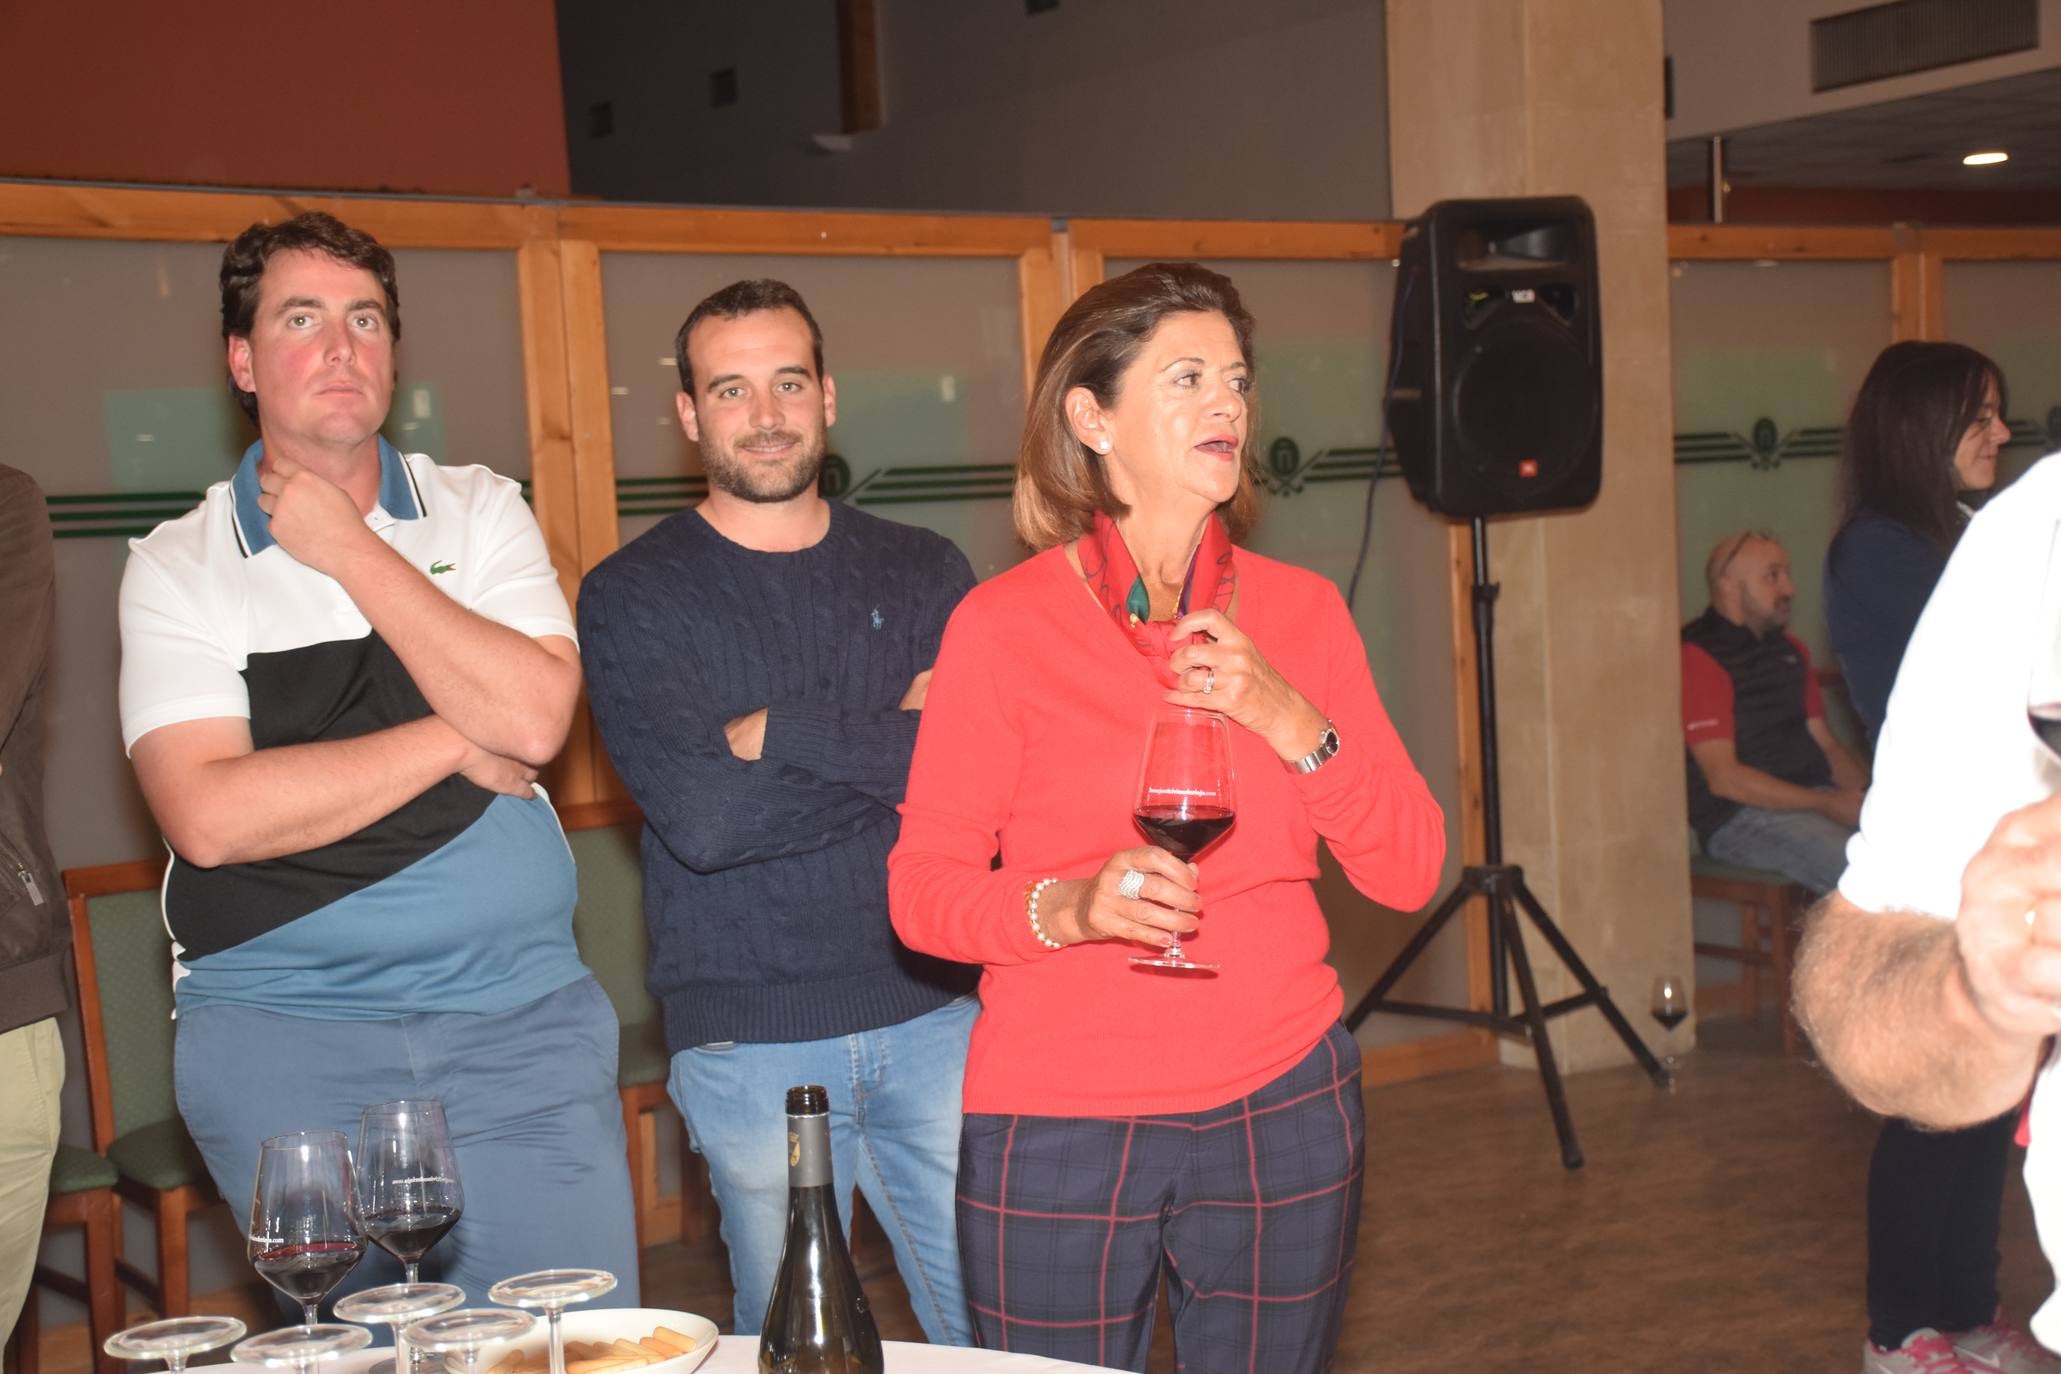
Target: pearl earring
[[1102, 446]]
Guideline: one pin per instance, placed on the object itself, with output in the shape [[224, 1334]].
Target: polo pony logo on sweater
[[438, 568], [877, 621]]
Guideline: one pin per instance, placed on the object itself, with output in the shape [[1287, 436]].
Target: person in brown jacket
[[33, 935]]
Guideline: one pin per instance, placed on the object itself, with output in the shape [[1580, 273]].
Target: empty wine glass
[[301, 1348], [408, 1193], [553, 1290], [1187, 797], [173, 1340], [461, 1335], [303, 1231], [1670, 1004], [395, 1305]]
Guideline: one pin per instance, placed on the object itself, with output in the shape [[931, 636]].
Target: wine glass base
[[1172, 962]]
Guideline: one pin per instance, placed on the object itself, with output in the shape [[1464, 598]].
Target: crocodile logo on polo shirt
[[436, 569]]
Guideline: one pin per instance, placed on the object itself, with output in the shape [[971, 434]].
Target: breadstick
[[665, 1335]]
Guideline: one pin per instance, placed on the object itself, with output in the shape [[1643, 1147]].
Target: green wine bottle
[[818, 1321]]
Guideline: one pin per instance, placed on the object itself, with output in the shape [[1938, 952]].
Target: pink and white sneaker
[[1999, 1349], [1924, 1351]]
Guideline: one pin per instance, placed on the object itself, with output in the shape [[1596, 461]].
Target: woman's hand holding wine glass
[[1096, 909]]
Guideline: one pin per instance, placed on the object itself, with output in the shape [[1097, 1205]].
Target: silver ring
[[1130, 885], [1209, 681]]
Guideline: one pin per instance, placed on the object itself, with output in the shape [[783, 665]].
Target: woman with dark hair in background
[[1922, 439], [1120, 1118]]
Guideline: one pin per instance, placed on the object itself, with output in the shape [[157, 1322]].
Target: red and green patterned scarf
[[1113, 576]]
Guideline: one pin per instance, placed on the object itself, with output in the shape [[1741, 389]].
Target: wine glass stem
[[557, 1341], [175, 1362], [413, 1270], [1173, 948], [308, 1315]]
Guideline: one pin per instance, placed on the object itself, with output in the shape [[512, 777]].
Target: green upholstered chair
[[123, 959], [82, 1193], [609, 926], [1771, 909]]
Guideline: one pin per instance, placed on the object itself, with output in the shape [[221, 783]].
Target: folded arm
[[218, 800], [1750, 786], [503, 690], [668, 741]]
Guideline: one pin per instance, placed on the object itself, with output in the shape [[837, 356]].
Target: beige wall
[[1739, 63], [1528, 97]]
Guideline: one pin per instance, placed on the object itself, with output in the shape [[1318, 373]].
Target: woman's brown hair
[[1060, 481]]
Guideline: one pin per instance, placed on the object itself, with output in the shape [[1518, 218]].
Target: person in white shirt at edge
[[1930, 981]]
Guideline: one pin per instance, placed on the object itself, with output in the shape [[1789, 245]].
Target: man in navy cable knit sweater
[[757, 666]]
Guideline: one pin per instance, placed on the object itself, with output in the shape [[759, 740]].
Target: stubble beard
[[749, 481]]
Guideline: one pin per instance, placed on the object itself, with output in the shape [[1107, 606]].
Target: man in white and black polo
[[339, 676]]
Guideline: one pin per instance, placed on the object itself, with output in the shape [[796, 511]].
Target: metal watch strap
[[1326, 750]]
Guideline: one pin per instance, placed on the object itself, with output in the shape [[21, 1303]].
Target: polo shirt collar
[[397, 498]]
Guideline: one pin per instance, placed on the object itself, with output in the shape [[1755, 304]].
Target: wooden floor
[[1715, 1228]]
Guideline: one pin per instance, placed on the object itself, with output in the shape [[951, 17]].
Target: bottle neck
[[808, 1151]]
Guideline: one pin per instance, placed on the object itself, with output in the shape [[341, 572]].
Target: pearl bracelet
[[1031, 893]]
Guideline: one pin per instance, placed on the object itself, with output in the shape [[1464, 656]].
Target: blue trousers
[[1801, 845], [894, 1131], [530, 1096]]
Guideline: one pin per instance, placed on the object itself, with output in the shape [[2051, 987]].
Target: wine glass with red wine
[[1187, 796], [303, 1228], [1670, 1004], [408, 1191]]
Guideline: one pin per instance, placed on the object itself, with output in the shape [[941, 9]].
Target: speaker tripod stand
[[1503, 885]]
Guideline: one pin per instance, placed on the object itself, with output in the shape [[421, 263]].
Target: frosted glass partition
[[2006, 309], [928, 361], [121, 411], [1767, 360], [1321, 338]]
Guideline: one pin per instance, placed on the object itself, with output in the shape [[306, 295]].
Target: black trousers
[[1934, 1198]]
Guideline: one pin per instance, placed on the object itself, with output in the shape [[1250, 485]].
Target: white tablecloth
[[740, 1355]]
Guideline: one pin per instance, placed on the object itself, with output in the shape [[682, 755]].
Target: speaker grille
[[1917, 35], [1524, 406]]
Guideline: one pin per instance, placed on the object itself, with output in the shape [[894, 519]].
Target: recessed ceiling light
[[1984, 159]]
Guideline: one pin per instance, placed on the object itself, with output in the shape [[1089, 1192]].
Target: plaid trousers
[[1255, 1205]]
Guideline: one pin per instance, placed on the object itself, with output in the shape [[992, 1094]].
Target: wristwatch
[[1327, 745]]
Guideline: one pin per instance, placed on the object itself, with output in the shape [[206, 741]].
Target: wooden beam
[[858, 64], [554, 480], [66, 210], [592, 438], [1042, 297], [644, 229], [1917, 291], [1992, 245], [1267, 239], [1783, 243]]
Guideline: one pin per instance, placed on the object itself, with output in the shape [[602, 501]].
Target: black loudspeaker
[[1497, 402]]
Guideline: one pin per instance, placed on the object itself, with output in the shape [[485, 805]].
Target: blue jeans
[[894, 1130], [530, 1096], [1801, 845]]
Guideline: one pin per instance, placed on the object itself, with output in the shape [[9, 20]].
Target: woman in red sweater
[[1115, 1114]]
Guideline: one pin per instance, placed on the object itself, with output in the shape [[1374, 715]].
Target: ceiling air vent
[[1915, 36]]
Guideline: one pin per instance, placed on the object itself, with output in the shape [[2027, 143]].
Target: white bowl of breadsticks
[[613, 1340]]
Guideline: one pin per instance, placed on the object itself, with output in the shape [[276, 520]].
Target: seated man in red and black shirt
[[1769, 786]]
